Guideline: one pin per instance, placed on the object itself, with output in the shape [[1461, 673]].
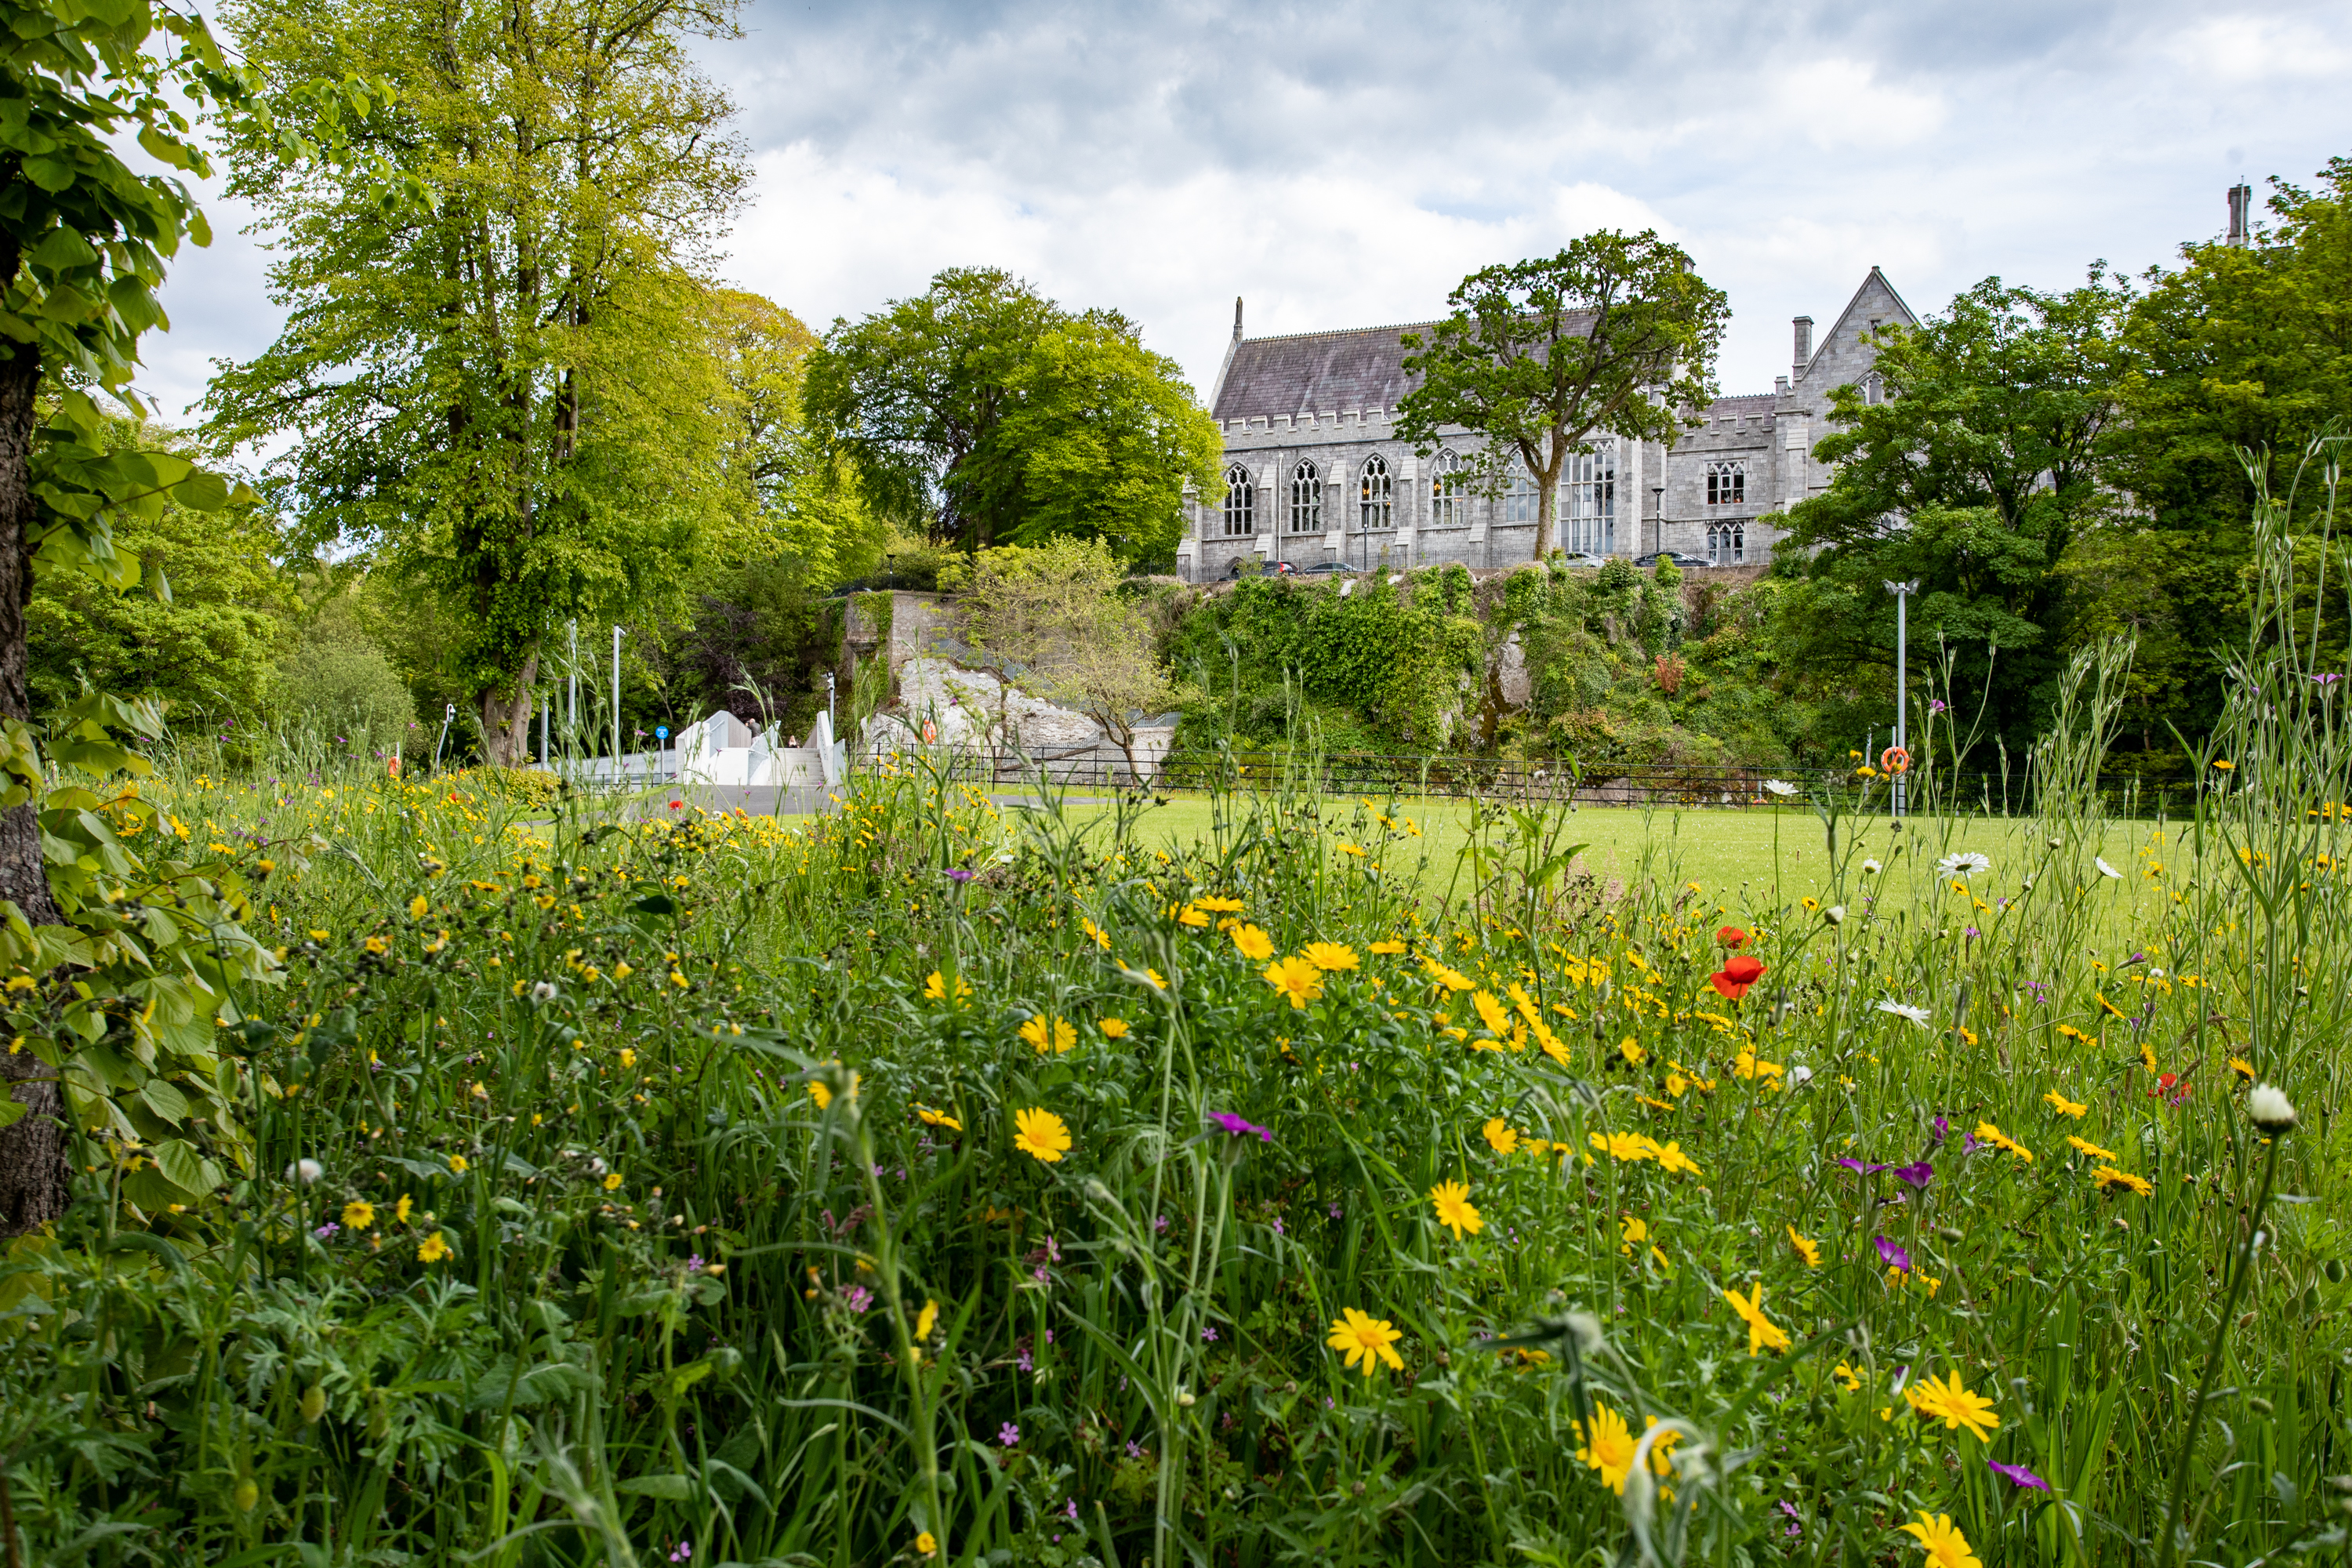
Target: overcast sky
[[1345, 165]]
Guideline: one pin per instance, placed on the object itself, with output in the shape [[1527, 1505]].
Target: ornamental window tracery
[[1727, 484], [1375, 495], [1306, 499], [1241, 503]]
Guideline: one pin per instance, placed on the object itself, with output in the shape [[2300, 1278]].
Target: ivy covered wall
[[1614, 669]]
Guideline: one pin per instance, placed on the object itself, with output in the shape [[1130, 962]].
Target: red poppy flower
[[1731, 936], [676, 804], [2164, 1082], [1737, 973]]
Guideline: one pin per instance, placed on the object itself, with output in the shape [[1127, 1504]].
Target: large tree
[[1973, 475], [805, 500], [500, 369], [1617, 333], [2238, 352], [119, 964], [989, 413]]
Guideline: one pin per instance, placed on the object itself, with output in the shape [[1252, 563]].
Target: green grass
[[679, 1186], [1747, 857]]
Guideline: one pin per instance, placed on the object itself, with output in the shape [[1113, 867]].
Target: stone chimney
[[1804, 326], [1237, 318], [2242, 202]]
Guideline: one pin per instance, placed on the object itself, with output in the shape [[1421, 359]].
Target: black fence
[[1726, 788]]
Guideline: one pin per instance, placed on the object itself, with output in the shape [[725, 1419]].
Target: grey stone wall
[[1662, 493]]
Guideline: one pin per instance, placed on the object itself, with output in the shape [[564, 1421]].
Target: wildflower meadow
[[930, 1181]]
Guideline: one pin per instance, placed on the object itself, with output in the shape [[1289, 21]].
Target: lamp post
[[619, 771], [1902, 592], [1658, 517]]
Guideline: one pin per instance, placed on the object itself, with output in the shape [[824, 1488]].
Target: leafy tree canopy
[[503, 372], [1617, 333], [989, 412], [201, 645], [1971, 476]]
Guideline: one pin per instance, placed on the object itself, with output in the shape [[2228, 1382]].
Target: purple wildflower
[[1134, 1449], [857, 1297], [1893, 1256], [1943, 1127], [1009, 1434], [1859, 1169], [1278, 1226], [1972, 933], [1917, 1175], [959, 875], [1209, 1334], [2019, 1474], [682, 1552], [326, 1232], [1239, 1128], [1073, 1511], [694, 1264], [1024, 1362]]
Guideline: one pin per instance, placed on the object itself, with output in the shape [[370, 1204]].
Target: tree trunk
[[33, 1167], [1547, 500], [505, 719]]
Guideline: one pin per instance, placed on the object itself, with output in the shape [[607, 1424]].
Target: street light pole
[[617, 770], [1657, 517], [1902, 592]]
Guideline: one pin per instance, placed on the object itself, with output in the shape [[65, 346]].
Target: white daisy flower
[[1871, 868], [2106, 869], [305, 1171], [1904, 1010], [1967, 863], [1781, 787]]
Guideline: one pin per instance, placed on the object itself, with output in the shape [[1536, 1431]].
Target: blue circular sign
[[661, 732]]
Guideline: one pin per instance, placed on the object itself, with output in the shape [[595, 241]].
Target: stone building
[[1314, 472]]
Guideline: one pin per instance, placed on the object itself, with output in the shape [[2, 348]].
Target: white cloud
[[1348, 167]]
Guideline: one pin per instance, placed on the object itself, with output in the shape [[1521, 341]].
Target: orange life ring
[[1894, 759]]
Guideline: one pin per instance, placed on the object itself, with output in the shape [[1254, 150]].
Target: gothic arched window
[[1590, 479], [1306, 499], [1241, 503], [1727, 543], [1375, 501], [1449, 487], [1727, 484]]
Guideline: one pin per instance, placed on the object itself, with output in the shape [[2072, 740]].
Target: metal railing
[[1465, 777]]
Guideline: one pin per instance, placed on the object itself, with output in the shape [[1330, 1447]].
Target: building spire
[[2242, 202], [1237, 318]]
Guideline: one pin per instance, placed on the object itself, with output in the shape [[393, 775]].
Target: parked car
[[1578, 558], [1676, 556], [1271, 569], [1329, 566]]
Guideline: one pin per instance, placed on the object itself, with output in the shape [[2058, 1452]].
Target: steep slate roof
[[1320, 372]]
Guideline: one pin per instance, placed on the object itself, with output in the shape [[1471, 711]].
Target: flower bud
[[2270, 1109], [309, 1171]]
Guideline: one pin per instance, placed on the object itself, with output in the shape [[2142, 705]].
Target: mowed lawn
[[1748, 859]]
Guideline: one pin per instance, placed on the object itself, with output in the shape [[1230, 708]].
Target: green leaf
[[185, 1168], [167, 1101], [670, 1488], [204, 492], [656, 904], [60, 248], [51, 173]]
